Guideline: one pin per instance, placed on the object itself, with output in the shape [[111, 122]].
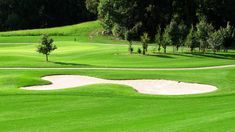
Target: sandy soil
[[159, 87]]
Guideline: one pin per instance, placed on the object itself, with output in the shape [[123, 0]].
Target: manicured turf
[[115, 107], [109, 107], [72, 54], [84, 32]]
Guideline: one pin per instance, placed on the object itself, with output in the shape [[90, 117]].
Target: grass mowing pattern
[[109, 107], [72, 54], [116, 107], [84, 32]]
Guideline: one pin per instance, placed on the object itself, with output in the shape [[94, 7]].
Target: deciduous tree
[[46, 46]]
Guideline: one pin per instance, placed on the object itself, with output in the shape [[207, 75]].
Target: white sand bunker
[[160, 87]]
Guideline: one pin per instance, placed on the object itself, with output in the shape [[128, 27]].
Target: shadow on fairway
[[227, 56], [161, 55], [71, 64]]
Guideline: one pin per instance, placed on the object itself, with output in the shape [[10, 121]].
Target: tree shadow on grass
[[160, 55], [227, 56], [71, 64]]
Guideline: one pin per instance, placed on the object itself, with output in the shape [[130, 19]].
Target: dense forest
[[28, 14], [140, 16], [197, 24]]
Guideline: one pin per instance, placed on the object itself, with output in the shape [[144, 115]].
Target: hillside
[[82, 29]]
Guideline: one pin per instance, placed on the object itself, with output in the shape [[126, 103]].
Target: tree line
[[28, 14], [203, 24]]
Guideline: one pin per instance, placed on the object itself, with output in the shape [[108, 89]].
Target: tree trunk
[[164, 50], [130, 47], [143, 51], [177, 48], [47, 58], [191, 49], [173, 49], [159, 48]]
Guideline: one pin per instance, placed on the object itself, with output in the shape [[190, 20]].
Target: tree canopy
[[27, 14], [144, 16]]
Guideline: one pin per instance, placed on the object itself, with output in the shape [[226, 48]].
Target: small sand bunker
[[159, 87]]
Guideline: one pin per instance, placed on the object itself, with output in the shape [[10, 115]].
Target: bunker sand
[[157, 87]]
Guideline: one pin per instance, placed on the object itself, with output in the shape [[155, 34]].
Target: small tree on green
[[129, 37], [46, 46], [191, 40], [145, 40]]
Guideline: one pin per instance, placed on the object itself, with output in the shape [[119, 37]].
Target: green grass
[[71, 54], [115, 107], [82, 29], [109, 107], [84, 32]]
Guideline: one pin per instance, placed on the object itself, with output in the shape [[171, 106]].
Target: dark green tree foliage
[[46, 46], [148, 14], [228, 35], [204, 30], [145, 40], [27, 14], [129, 38], [166, 41], [158, 39], [217, 12], [183, 31], [215, 40], [92, 5], [191, 40], [177, 33]]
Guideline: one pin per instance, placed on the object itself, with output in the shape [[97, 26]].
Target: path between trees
[[123, 69]]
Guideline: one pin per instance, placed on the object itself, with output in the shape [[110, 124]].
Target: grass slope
[[83, 32], [116, 107]]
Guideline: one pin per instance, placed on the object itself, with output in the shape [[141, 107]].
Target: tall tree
[[203, 31], [228, 35], [174, 34], [191, 40]]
